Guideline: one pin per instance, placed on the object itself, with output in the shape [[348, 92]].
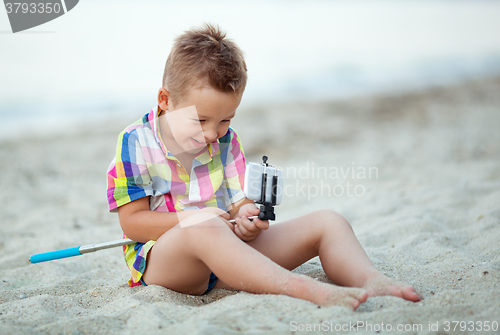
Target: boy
[[178, 177]]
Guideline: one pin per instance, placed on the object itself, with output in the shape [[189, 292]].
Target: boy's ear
[[163, 98]]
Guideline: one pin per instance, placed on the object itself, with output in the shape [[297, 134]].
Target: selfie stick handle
[[77, 251]]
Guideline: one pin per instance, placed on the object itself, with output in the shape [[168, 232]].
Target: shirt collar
[[206, 155]]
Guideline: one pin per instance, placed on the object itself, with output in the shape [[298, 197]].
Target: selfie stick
[[84, 249], [77, 251]]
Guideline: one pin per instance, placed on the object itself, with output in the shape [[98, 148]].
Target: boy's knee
[[192, 234], [197, 231]]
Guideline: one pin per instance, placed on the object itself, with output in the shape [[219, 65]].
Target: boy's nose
[[210, 135]]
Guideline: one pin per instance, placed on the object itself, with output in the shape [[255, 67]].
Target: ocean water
[[106, 58]]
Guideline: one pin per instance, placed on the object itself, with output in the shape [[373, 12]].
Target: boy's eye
[[226, 120]]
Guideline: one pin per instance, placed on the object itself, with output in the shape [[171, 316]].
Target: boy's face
[[201, 117]]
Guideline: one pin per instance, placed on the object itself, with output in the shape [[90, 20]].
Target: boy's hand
[[244, 228]]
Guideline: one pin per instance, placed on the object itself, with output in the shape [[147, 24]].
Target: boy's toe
[[359, 294], [351, 303], [409, 293], [363, 296]]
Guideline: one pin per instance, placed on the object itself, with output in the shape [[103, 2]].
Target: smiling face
[[201, 117]]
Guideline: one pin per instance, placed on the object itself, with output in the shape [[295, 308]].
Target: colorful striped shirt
[[143, 166]]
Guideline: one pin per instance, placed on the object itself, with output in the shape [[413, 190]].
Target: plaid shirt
[[144, 167]]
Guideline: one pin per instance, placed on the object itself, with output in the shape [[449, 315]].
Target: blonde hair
[[204, 54]]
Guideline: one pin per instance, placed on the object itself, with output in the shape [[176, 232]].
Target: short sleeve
[[234, 169], [128, 177]]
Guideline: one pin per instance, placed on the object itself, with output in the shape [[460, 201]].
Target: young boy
[[178, 177]]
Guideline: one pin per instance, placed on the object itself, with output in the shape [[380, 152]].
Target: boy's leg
[[182, 260], [328, 235]]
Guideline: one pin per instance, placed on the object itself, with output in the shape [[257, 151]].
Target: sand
[[426, 209]]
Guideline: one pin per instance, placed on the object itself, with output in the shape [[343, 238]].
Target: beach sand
[[424, 201]]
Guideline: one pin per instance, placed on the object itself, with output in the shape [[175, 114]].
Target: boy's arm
[[141, 224]]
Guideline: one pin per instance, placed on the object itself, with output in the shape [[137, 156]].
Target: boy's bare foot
[[380, 285], [333, 295]]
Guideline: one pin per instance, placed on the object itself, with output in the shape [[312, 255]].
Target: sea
[[105, 58]]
